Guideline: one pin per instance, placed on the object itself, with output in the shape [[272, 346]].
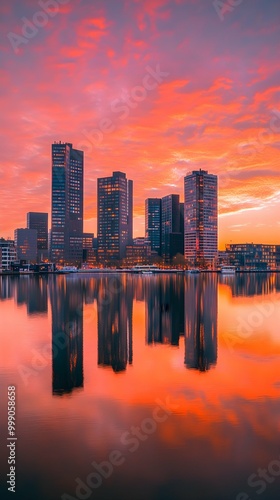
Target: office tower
[[39, 221], [114, 216], [172, 240], [26, 244], [153, 223], [201, 217], [66, 239], [201, 310]]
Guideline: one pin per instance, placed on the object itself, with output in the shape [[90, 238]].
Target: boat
[[228, 269], [145, 269], [69, 269], [193, 271]]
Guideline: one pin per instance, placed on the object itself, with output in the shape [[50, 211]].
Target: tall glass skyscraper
[[153, 223], [66, 242], [114, 216], [201, 217]]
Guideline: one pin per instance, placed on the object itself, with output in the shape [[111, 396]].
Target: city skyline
[[141, 110]]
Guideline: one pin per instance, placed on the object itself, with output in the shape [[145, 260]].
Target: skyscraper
[[153, 223], [114, 216], [66, 242], [172, 240], [201, 217], [39, 221]]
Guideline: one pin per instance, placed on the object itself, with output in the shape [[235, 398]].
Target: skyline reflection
[[66, 300], [115, 324]]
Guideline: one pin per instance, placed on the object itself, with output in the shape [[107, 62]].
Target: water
[[142, 387]]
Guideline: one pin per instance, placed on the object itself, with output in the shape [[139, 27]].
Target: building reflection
[[114, 303], [7, 287], [250, 284], [201, 309], [164, 298], [32, 291], [66, 298]]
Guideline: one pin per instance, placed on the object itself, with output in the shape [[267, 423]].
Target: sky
[[154, 88]]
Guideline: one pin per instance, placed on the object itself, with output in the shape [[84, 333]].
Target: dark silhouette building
[[26, 244], [172, 239], [39, 221]]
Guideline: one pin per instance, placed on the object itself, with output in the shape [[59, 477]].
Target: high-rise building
[[39, 221], [66, 241], [201, 217], [114, 216], [153, 223], [26, 244], [172, 240]]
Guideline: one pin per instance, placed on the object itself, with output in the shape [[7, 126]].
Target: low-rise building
[[249, 256], [8, 254], [26, 244]]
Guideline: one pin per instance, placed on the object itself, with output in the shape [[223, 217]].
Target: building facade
[[26, 244], [201, 218], [66, 238], [153, 223], [139, 252], [172, 239], [114, 216], [39, 221], [249, 256], [8, 254]]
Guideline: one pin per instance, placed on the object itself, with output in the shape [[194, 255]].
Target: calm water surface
[[166, 385]]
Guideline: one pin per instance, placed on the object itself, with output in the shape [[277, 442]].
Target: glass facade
[[172, 240], [67, 203], [153, 223]]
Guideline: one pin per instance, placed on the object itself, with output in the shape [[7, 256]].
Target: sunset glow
[[154, 88]]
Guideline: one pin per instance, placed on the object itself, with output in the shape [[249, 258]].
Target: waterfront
[[193, 361]]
